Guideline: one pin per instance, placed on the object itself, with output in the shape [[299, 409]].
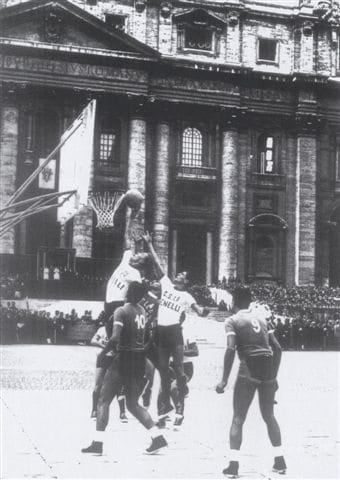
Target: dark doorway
[[334, 240], [191, 252]]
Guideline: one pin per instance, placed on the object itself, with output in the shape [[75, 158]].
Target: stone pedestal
[[229, 207], [209, 259], [161, 195], [8, 167], [82, 232]]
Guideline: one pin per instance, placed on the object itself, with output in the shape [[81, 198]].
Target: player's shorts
[[169, 337], [252, 379], [258, 368], [132, 368], [103, 362]]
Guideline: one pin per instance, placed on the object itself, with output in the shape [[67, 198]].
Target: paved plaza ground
[[46, 400]]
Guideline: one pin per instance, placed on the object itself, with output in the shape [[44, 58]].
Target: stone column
[[209, 267], [291, 185], [137, 161], [229, 210], [8, 167], [307, 48], [82, 232], [305, 216], [161, 194], [173, 253]]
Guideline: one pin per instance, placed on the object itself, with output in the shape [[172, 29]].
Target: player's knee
[[131, 405], [268, 417], [238, 420]]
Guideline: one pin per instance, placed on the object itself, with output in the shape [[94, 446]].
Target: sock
[[278, 451], [234, 455], [99, 436], [154, 432]]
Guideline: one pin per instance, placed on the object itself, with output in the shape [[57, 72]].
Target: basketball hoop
[[105, 206]]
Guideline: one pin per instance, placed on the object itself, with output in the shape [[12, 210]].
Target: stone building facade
[[225, 114]]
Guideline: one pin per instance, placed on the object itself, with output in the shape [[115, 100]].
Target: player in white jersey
[[129, 270], [175, 301]]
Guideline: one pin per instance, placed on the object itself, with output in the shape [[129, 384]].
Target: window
[[192, 147], [117, 22], [109, 144], [198, 38], [266, 155], [267, 50]]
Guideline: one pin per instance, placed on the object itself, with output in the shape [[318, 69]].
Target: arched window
[[266, 155], [192, 147], [109, 140]]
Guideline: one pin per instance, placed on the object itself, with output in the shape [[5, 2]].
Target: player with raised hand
[[260, 356], [174, 301]]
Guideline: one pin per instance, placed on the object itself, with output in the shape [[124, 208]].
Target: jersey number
[[256, 325], [140, 321]]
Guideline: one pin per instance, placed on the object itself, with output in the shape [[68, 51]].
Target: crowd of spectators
[[41, 327], [53, 283], [305, 317]]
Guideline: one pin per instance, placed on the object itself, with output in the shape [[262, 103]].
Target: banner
[[76, 162]]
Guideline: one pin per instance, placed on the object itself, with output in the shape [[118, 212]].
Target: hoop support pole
[[40, 207], [36, 172]]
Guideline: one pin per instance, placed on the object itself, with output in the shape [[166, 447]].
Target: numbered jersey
[[251, 330], [132, 319]]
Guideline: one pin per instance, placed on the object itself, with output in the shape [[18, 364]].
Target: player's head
[[140, 260], [241, 298], [135, 293], [181, 281]]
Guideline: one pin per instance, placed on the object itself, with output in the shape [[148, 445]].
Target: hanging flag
[[47, 175], [76, 162]]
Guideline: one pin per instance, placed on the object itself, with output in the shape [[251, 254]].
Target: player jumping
[[260, 356], [174, 301]]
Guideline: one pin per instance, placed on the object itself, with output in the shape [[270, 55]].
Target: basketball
[[133, 199]]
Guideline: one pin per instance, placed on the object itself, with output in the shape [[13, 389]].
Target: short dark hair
[[242, 297], [135, 292]]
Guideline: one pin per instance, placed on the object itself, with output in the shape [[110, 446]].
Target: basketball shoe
[[156, 444], [232, 470], [95, 447], [279, 465]]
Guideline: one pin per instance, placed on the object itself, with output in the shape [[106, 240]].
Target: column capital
[[308, 125], [233, 119]]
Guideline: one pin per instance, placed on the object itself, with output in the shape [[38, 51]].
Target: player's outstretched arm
[[147, 239], [277, 352], [228, 363]]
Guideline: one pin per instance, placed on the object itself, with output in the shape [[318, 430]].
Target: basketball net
[[105, 206]]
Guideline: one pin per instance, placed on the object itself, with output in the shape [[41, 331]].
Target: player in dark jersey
[[128, 343], [260, 355]]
